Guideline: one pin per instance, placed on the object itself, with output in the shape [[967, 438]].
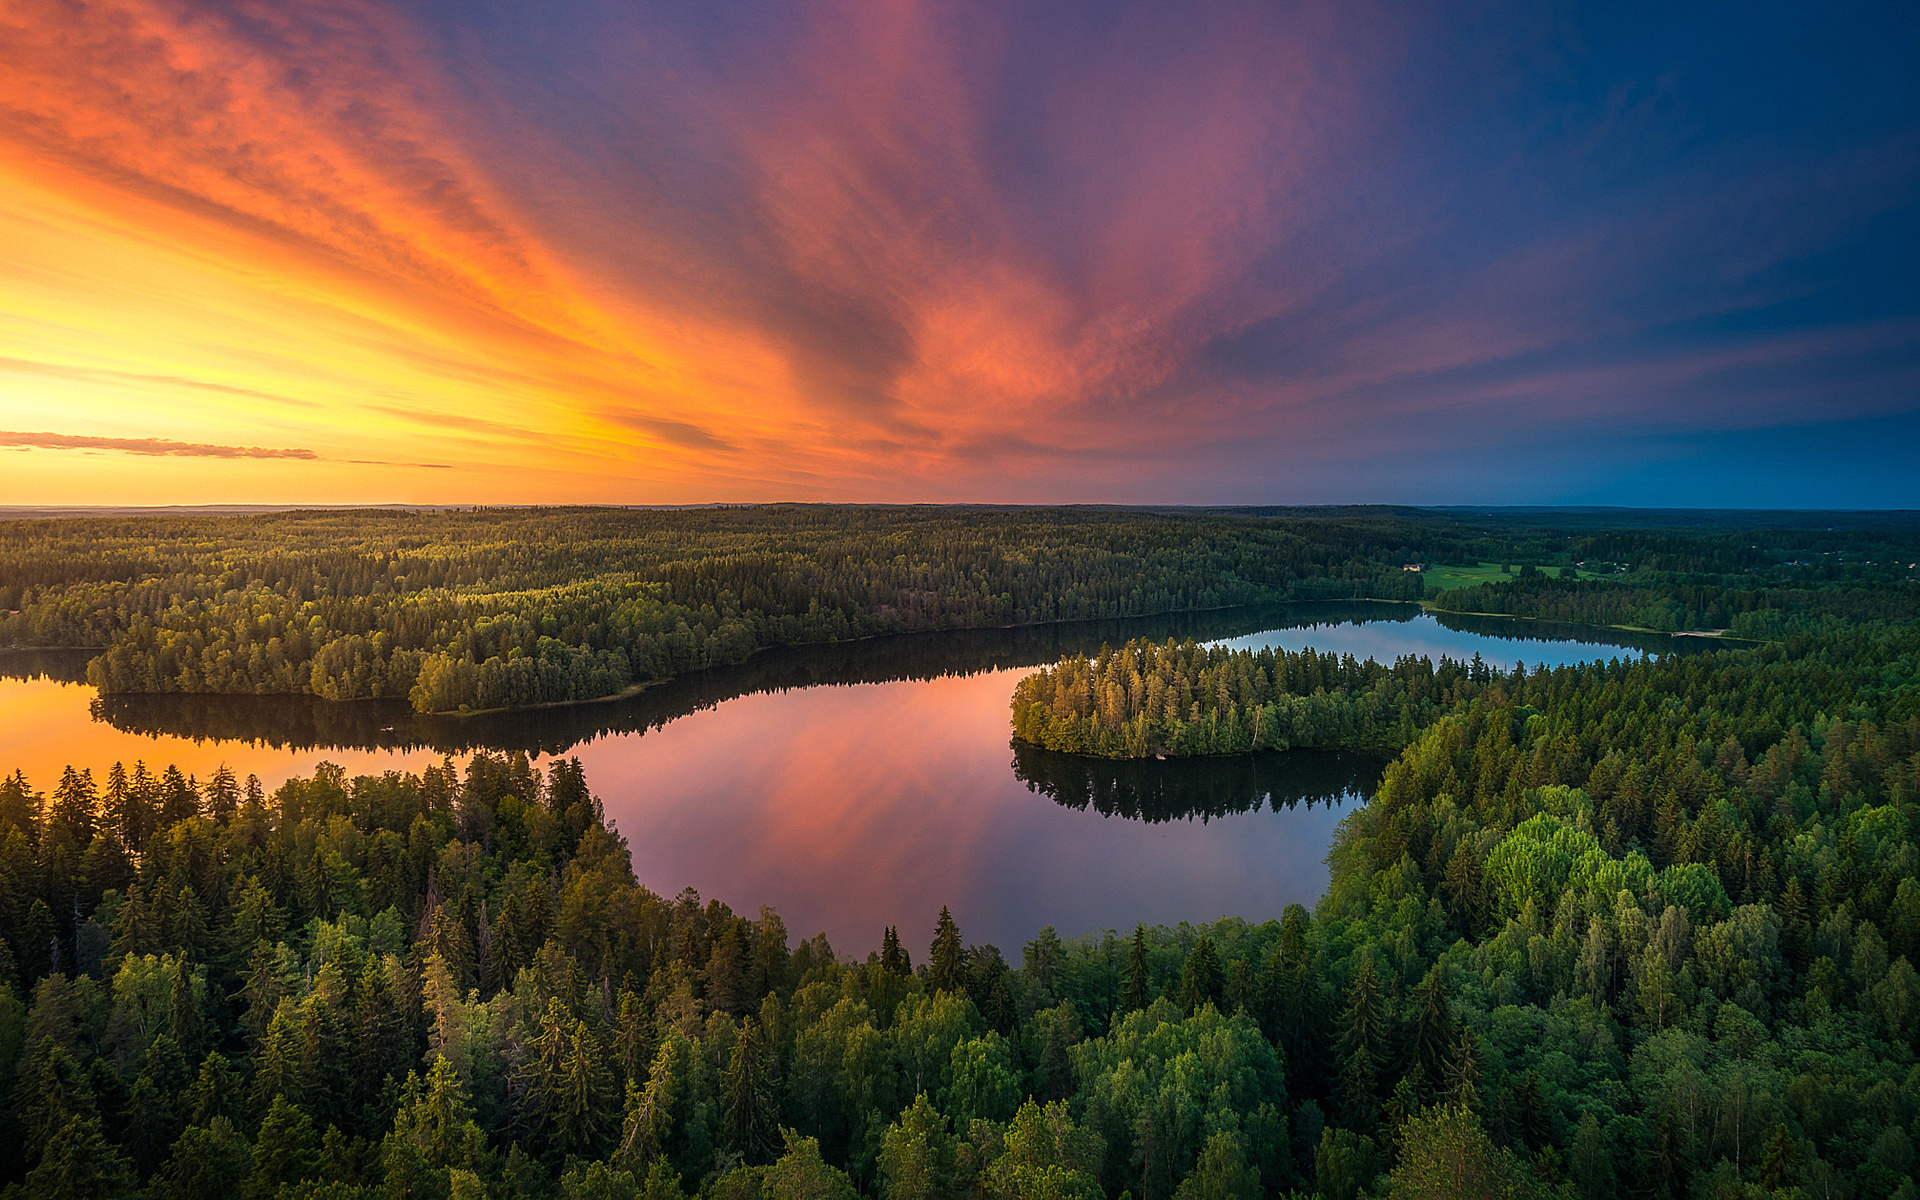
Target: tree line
[[494, 609], [1683, 605], [513, 608]]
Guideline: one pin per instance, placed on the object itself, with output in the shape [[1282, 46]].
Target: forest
[[476, 610], [1157, 701], [1636, 928], [1643, 928], [471, 611]]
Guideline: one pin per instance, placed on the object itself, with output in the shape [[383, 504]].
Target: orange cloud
[[161, 446], [855, 249]]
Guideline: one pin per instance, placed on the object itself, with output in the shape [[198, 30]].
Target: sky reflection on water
[[853, 806]]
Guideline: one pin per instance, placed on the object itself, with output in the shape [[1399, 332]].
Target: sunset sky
[[344, 251]]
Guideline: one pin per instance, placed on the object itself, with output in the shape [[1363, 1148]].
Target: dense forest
[[1640, 928], [477, 610], [482, 610], [1684, 604], [1147, 700]]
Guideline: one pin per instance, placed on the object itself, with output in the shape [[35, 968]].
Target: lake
[[861, 784]]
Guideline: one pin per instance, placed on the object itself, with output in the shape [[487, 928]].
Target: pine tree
[[379, 1041], [1780, 1162], [1363, 1028], [893, 956], [80, 1164], [223, 795], [1431, 1028], [726, 971], [156, 1104], [632, 1039], [582, 1110], [1200, 982], [747, 1097], [1137, 988], [287, 1149], [211, 1159], [216, 1090], [189, 1026], [947, 957], [649, 1112]]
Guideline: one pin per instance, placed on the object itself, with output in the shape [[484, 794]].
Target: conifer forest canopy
[[1643, 927]]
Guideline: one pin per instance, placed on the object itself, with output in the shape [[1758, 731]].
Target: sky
[[608, 251]]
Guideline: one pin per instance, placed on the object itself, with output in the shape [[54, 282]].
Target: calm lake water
[[863, 784]]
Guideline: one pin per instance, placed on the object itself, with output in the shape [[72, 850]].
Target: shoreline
[[1717, 635], [633, 690]]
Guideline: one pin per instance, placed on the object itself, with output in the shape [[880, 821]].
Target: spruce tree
[[747, 1097], [726, 971], [80, 1164], [583, 1112], [189, 1026], [216, 1090], [157, 1104], [1200, 982], [1240, 993], [1431, 1029], [648, 1121], [1363, 1029], [379, 1049], [210, 1160], [633, 1040], [287, 1150], [55, 1092], [1137, 987], [947, 957], [893, 956]]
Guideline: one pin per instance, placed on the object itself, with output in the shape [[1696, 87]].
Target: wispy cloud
[[140, 379], [679, 433], [870, 249], [155, 446], [167, 448]]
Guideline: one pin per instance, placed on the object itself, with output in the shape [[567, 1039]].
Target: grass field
[[1446, 578]]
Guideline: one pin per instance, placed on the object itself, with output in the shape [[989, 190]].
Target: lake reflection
[[858, 785], [1178, 789]]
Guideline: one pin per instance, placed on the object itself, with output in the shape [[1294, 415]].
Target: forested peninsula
[[1147, 700]]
